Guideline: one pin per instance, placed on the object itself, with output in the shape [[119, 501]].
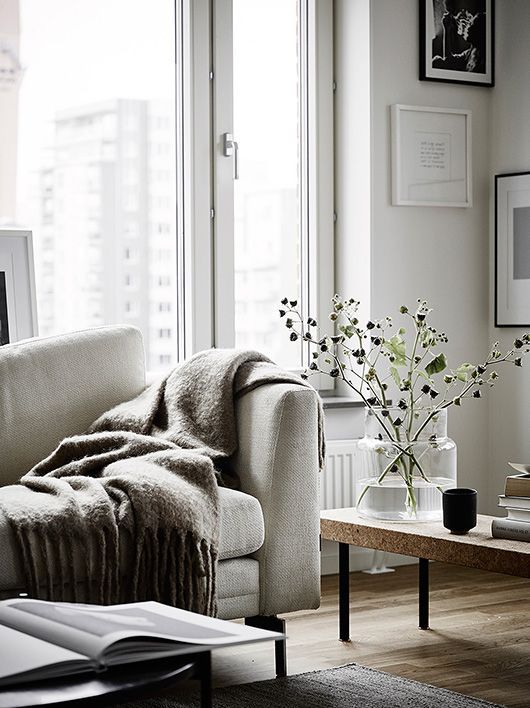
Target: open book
[[41, 640]]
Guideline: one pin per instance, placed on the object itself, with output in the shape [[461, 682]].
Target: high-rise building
[[107, 243]]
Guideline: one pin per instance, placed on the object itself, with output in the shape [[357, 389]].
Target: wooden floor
[[479, 643]]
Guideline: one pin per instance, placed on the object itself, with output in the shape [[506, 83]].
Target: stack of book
[[516, 501]]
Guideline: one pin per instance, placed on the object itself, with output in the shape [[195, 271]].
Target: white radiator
[[337, 490], [337, 481]]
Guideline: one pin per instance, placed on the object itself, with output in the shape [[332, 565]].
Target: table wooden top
[[476, 549]]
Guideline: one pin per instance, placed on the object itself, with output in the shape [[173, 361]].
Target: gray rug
[[350, 686]]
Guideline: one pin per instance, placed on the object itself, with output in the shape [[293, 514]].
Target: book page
[[12, 615], [91, 629], [22, 654]]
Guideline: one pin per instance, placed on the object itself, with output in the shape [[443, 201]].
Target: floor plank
[[479, 643]]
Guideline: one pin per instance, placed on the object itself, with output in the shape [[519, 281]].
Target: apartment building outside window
[[130, 223]]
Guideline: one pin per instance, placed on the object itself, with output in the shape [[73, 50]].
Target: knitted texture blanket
[[141, 485]]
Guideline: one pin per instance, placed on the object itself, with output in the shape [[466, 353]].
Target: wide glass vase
[[403, 463]]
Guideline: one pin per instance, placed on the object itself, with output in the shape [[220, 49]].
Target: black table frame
[[119, 684], [344, 592]]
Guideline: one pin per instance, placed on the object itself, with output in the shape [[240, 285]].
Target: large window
[[273, 187], [268, 191], [94, 112], [174, 161]]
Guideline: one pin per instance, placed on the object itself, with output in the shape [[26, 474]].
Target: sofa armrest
[[277, 462]]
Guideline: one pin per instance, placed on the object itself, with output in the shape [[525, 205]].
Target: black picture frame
[[467, 24], [512, 250], [4, 320]]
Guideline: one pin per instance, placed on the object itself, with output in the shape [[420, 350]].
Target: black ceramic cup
[[459, 509]]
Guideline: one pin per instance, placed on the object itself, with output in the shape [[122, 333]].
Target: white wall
[[509, 420], [440, 254]]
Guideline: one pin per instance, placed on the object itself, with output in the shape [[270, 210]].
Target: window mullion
[[223, 175], [197, 223], [320, 167]]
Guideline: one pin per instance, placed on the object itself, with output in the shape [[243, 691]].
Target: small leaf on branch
[[396, 346], [436, 365], [347, 330], [464, 371]]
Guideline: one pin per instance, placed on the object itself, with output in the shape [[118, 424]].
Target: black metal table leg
[[344, 592], [424, 593], [273, 624], [205, 678], [280, 656]]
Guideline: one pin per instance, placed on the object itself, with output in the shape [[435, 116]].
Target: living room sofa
[[54, 387]]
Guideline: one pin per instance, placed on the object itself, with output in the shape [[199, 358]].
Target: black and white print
[[4, 322], [456, 41]]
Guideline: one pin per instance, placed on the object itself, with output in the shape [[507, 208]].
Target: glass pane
[[96, 161], [267, 193]]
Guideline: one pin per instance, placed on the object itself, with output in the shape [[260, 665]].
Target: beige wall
[[509, 419], [431, 252]]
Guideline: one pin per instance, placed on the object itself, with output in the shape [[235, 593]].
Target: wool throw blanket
[[141, 486]]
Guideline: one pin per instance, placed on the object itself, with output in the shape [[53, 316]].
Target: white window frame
[[206, 256]]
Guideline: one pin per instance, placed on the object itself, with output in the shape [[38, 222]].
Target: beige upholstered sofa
[[54, 387]]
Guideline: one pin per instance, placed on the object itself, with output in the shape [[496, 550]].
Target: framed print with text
[[512, 250], [431, 156], [18, 307], [457, 41]]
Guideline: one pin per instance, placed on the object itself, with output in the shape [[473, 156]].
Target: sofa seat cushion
[[241, 533], [242, 529]]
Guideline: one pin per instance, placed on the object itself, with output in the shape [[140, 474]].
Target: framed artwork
[[512, 250], [431, 156], [457, 41], [18, 307]]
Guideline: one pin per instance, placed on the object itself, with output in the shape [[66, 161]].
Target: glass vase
[[403, 463]]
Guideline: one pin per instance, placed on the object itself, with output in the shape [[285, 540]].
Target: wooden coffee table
[[425, 541]]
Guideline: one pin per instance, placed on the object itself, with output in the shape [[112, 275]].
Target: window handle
[[231, 147]]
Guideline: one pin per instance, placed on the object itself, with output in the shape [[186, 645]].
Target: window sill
[[334, 402]]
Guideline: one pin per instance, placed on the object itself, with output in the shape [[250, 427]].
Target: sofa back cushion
[[57, 386]]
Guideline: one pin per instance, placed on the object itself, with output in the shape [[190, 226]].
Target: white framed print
[[18, 304], [431, 156], [512, 250]]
